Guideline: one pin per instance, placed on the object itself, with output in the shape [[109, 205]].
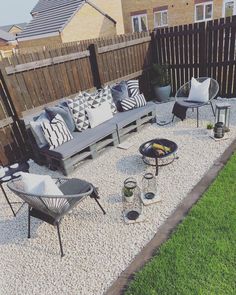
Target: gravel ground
[[98, 248]]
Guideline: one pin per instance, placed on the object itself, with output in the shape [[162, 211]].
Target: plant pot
[[129, 199], [162, 93]]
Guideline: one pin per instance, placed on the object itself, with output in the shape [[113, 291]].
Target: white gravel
[[98, 248]]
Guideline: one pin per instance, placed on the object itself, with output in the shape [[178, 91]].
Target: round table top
[[147, 150]]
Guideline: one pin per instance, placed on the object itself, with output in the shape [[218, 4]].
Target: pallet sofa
[[89, 143]]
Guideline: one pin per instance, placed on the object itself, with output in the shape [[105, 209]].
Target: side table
[[11, 172]]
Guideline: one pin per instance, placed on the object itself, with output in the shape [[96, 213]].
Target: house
[[14, 28], [7, 40], [62, 21], [140, 16]]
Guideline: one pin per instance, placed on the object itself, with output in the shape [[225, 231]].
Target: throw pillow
[[99, 114], [63, 110], [37, 131], [96, 98], [199, 92], [133, 87], [128, 104], [31, 181], [119, 92], [77, 107], [140, 100], [56, 132]]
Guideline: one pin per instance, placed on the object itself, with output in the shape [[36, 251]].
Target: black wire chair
[[183, 93], [51, 209]]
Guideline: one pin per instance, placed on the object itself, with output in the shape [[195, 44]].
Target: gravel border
[[99, 248], [164, 232]]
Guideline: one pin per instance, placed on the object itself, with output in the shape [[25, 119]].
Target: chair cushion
[[75, 186], [100, 114], [199, 92], [63, 110], [82, 140], [56, 132]]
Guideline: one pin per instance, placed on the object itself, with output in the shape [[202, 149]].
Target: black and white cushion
[[133, 87], [56, 132], [128, 103], [77, 107], [95, 99], [140, 100]]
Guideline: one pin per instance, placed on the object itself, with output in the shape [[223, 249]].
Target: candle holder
[[223, 115], [149, 193], [131, 199]]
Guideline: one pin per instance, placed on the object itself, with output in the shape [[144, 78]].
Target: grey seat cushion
[[124, 118], [81, 140]]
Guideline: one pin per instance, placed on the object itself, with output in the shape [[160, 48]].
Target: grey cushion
[[64, 111], [81, 140], [124, 118], [119, 92]]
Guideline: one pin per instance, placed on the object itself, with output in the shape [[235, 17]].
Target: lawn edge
[[163, 233]]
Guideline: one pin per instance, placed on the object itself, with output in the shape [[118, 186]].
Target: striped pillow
[[56, 132], [140, 100], [128, 103], [133, 87]]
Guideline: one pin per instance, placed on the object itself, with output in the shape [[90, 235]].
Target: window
[[139, 23], [229, 8], [203, 11], [160, 18]]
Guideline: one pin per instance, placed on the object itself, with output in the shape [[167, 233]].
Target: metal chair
[[51, 209], [183, 93]]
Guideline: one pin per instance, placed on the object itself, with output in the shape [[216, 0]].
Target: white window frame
[[223, 7], [161, 11], [139, 21], [204, 4]]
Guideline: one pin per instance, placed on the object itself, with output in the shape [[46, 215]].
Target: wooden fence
[[201, 49], [32, 80]]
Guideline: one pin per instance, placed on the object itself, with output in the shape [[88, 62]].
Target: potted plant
[[210, 127], [128, 194], [161, 81]]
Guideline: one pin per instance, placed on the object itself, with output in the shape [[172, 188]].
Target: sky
[[15, 11]]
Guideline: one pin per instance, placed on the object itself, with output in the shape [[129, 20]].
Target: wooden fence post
[[202, 50], [154, 46], [95, 65]]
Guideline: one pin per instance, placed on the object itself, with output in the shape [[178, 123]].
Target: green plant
[[127, 192], [160, 75], [209, 126]]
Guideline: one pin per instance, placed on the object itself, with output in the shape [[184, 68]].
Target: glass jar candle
[[149, 186]]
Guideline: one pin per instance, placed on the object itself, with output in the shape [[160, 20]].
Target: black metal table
[[11, 173], [148, 151]]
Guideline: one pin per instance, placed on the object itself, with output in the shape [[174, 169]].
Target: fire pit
[[158, 149]]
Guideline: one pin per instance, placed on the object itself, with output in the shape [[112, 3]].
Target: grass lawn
[[200, 257]]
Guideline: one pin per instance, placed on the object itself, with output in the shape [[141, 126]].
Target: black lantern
[[223, 114]]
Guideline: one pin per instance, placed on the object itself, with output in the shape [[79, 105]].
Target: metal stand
[[96, 200], [59, 238]]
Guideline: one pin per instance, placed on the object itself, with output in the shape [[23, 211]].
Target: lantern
[[132, 204], [223, 114]]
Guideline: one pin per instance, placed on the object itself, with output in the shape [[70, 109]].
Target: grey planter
[[162, 93]]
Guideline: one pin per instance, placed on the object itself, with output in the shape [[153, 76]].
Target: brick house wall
[[179, 12], [56, 40]]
